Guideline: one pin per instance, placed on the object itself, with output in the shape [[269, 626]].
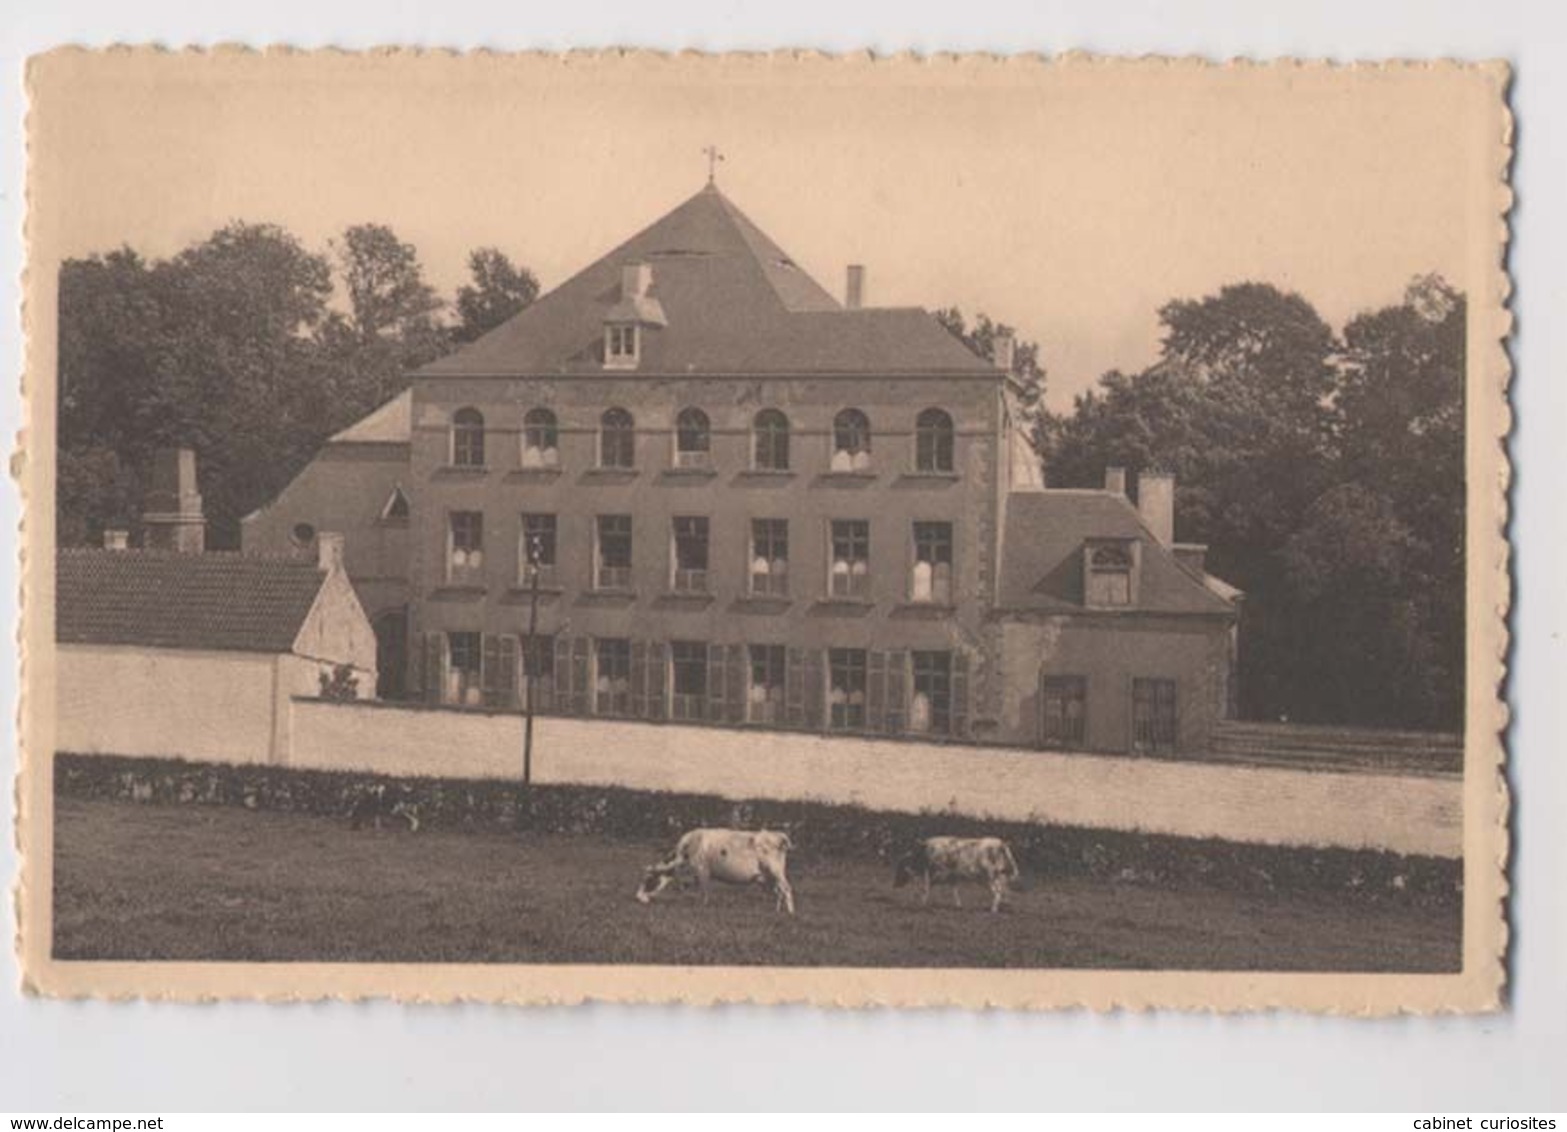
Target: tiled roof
[[1042, 555], [164, 599], [392, 423], [735, 304]]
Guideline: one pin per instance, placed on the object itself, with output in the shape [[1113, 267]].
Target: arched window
[[617, 440], [540, 439], [693, 439], [851, 441], [770, 451], [933, 441], [468, 438]]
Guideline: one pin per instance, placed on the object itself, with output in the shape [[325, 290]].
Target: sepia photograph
[[765, 528]]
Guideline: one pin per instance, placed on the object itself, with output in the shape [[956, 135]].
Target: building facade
[[707, 491]]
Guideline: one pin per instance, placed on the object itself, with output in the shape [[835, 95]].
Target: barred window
[[1064, 712], [1154, 721]]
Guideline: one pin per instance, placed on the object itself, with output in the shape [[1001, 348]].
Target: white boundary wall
[[1250, 804]]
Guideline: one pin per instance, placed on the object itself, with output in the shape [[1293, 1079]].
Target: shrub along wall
[[1042, 851]]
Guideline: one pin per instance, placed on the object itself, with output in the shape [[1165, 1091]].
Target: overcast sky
[[1070, 202]]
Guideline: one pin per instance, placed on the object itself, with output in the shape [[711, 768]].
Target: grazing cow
[[731, 856], [948, 860], [371, 804]]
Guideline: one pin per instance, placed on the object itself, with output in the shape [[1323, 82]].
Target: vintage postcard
[[780, 528]]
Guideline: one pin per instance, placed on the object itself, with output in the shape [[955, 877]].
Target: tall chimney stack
[[635, 279], [854, 287], [173, 519], [1156, 504], [329, 550], [1115, 480], [1004, 349]]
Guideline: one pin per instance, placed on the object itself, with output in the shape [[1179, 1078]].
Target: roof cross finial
[[713, 158]]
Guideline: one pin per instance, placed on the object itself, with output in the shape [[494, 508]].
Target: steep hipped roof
[[392, 423], [1042, 557], [164, 599], [734, 303]]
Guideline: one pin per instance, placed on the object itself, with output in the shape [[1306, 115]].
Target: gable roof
[[165, 599], [392, 423], [734, 304], [1042, 555]]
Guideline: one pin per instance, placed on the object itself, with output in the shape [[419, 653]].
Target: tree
[[498, 292], [1026, 366], [388, 299]]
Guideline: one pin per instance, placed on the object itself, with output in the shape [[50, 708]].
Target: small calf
[[948, 860], [730, 856], [372, 804]]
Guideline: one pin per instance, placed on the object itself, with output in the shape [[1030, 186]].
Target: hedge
[[817, 828]]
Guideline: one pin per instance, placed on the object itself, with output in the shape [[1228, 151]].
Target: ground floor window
[[930, 709], [688, 672], [846, 694], [1064, 712], [464, 668], [1153, 716], [612, 676], [538, 665], [765, 697]]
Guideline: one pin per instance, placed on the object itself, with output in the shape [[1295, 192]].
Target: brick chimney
[[1004, 349], [635, 279], [173, 519], [854, 287], [1156, 504], [116, 538], [330, 546], [1115, 480]]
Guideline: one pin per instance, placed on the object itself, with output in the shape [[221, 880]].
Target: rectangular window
[[688, 679], [1153, 716], [932, 576], [465, 548], [620, 345], [770, 557], [611, 676], [930, 709], [850, 574], [538, 665], [846, 694], [537, 549], [765, 696], [464, 669], [1109, 574], [690, 554], [1064, 712], [612, 559]]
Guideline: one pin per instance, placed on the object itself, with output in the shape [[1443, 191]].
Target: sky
[[1067, 200]]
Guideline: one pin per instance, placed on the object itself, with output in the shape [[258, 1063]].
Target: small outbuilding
[[164, 652]]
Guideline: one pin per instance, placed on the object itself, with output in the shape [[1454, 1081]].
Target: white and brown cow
[[952, 860], [730, 856]]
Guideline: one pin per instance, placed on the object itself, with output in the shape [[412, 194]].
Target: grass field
[[216, 883]]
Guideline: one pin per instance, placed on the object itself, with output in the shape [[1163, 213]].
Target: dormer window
[[620, 345], [1110, 573]]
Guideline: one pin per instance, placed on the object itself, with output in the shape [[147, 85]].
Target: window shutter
[[960, 705], [506, 678], [434, 664], [794, 688], [581, 684], [716, 680], [876, 691], [490, 671], [897, 691], [736, 687], [657, 666], [639, 680], [815, 691]]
